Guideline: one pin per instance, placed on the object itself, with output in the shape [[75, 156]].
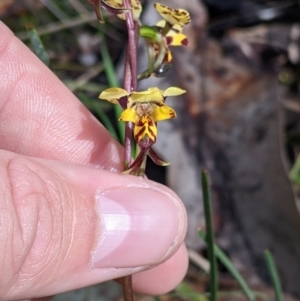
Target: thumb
[[66, 226]]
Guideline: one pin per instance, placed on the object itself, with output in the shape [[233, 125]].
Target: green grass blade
[[101, 114], [222, 257], [210, 236], [274, 275], [37, 44], [112, 82]]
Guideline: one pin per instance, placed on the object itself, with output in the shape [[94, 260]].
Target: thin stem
[[127, 288], [131, 57], [130, 84], [151, 54], [130, 73]]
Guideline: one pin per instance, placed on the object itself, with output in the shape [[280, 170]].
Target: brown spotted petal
[[173, 16], [136, 8], [115, 10]]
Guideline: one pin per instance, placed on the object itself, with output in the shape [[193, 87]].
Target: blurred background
[[239, 120]]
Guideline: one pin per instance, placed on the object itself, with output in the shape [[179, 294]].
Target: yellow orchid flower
[[173, 16], [144, 109], [166, 33]]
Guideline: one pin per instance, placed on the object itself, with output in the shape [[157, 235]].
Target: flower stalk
[[129, 84]]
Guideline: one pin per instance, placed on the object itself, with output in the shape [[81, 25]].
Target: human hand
[[67, 218]]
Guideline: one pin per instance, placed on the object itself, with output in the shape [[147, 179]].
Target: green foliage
[[37, 44], [100, 113], [295, 172], [223, 258], [112, 82], [273, 275], [210, 237], [214, 252]]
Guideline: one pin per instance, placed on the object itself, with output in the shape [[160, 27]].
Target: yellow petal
[[173, 91], [135, 4], [136, 9], [152, 95], [176, 39], [145, 126], [163, 113], [173, 16], [162, 23], [129, 115], [113, 94]]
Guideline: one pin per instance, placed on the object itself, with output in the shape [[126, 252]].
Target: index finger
[[40, 117]]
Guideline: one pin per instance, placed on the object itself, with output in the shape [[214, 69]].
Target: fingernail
[[139, 227]]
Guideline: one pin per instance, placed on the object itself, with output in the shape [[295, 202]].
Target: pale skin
[[68, 219]]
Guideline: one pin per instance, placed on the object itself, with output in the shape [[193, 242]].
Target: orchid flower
[[167, 32], [144, 110]]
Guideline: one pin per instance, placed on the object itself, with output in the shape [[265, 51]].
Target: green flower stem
[[151, 35], [161, 55], [147, 73]]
